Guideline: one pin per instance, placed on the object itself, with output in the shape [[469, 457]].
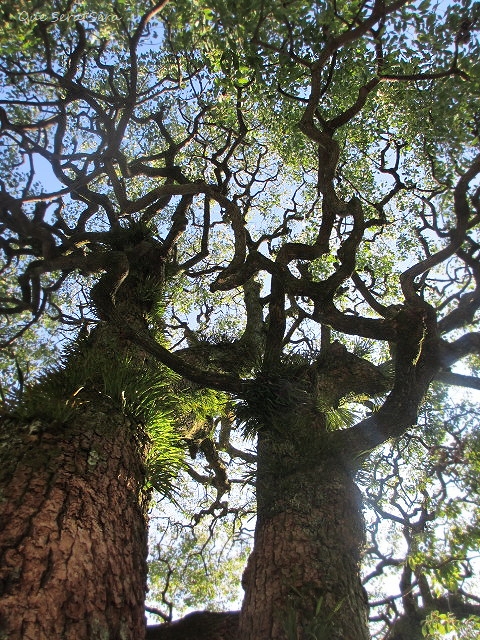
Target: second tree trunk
[[302, 580]]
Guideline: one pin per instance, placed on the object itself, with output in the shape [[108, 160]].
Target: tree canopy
[[291, 190]]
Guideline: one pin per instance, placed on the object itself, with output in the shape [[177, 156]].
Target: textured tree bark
[[73, 526], [72, 529], [302, 579]]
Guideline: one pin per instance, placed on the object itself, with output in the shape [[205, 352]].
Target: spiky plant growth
[[144, 396]]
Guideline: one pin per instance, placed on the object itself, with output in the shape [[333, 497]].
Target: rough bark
[[73, 529], [302, 579]]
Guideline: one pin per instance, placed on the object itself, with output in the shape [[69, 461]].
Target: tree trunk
[[302, 579], [73, 526], [73, 534]]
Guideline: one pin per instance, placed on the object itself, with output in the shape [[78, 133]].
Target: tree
[[277, 203], [423, 491]]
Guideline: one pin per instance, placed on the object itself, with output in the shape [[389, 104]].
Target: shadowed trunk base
[[199, 625]]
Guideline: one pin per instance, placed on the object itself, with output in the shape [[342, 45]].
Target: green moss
[[94, 457], [99, 630]]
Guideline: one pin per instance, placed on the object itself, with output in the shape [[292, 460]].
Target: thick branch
[[189, 371], [458, 380], [415, 367], [457, 235], [451, 352]]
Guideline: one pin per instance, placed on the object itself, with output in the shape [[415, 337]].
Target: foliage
[[192, 569], [423, 521], [83, 376], [438, 625], [154, 401], [277, 206], [24, 359]]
